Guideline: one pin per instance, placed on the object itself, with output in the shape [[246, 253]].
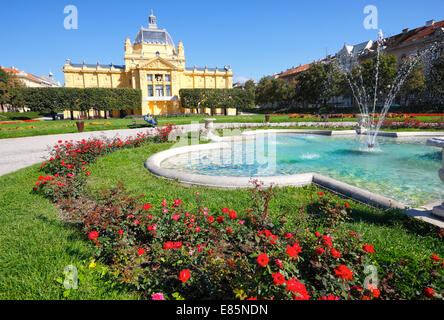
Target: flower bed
[[21, 121], [411, 123], [173, 250]]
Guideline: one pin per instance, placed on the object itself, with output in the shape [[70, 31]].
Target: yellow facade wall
[[145, 60]]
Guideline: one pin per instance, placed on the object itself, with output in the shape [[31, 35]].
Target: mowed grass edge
[[36, 245]]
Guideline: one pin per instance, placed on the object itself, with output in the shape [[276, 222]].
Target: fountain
[[368, 102], [438, 142]]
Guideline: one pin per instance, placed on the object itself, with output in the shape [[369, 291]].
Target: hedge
[[216, 98], [53, 100]]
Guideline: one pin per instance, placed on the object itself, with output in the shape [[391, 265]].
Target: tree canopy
[[216, 98]]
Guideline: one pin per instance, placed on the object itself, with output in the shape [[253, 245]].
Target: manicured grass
[[12, 116], [15, 130], [393, 234], [36, 245]]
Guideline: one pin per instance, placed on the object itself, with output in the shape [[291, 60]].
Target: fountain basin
[[439, 143], [402, 170]]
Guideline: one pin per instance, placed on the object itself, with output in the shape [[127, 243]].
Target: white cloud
[[241, 79]]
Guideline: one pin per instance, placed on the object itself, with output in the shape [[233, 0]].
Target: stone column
[[438, 142]]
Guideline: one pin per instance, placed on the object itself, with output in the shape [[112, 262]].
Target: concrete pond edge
[[153, 164]]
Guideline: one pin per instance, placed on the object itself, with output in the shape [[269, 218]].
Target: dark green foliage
[[216, 98], [52, 100]]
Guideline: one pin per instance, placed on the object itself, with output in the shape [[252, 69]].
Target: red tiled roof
[[424, 31], [16, 71], [296, 70]]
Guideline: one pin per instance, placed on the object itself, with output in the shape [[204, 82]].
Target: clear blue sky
[[256, 37]]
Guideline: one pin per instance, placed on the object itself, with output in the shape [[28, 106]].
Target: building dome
[[152, 34]]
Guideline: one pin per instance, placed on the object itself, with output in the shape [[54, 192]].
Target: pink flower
[[279, 263], [158, 296], [329, 297]]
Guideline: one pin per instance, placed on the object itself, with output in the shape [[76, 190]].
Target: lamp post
[[438, 142]]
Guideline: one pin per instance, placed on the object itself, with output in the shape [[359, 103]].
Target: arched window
[[157, 54]]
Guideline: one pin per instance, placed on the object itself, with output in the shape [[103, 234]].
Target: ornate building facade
[[154, 65]]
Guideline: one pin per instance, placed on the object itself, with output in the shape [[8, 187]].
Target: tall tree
[[319, 84], [8, 82], [386, 74], [435, 79], [414, 85]]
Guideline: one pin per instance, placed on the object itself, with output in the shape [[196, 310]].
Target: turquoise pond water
[[404, 169]]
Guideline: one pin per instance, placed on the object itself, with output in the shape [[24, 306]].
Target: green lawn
[[13, 116], [26, 129], [393, 234], [36, 245]]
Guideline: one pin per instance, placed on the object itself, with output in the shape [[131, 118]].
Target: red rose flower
[[141, 251], [147, 206], [429, 292], [263, 259], [319, 251], [233, 214], [368, 248], [298, 288], [210, 219], [184, 275], [294, 250], [220, 219], [335, 253], [93, 234], [278, 278], [327, 241], [168, 245], [435, 258], [342, 272]]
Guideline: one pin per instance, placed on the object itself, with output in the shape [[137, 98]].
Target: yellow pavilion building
[[154, 65]]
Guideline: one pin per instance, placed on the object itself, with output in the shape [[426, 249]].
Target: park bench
[[137, 121]]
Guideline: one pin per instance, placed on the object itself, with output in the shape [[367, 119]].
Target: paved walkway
[[18, 153]]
